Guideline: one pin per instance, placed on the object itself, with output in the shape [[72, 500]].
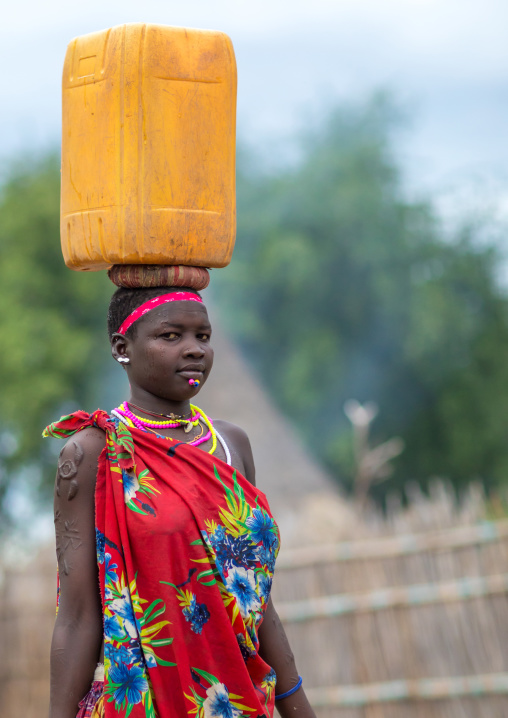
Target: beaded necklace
[[173, 423], [197, 415], [169, 423]]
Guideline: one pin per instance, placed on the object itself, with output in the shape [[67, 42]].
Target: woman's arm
[[273, 643], [77, 636], [275, 650]]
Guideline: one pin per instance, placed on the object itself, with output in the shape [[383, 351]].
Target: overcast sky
[[445, 59]]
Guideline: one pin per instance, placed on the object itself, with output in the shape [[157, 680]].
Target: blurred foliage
[[52, 321], [343, 287]]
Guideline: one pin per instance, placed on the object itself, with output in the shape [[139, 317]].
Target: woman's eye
[[204, 337], [170, 335]]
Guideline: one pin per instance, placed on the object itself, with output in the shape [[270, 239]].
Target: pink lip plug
[[194, 382]]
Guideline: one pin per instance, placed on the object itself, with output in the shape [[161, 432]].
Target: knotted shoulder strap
[[118, 438]]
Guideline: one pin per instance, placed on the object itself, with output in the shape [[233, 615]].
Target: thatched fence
[[27, 613], [407, 618], [411, 624]]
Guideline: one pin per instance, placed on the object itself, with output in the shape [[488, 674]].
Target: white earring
[[123, 360]]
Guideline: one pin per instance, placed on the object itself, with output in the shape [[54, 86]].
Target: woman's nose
[[194, 349]]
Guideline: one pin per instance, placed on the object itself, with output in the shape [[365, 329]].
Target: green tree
[[342, 287], [52, 321]]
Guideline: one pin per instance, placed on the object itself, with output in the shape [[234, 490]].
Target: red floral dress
[[186, 550]]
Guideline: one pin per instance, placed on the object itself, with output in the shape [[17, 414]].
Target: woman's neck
[[159, 405]]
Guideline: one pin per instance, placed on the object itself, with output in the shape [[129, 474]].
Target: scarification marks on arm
[[68, 469], [67, 537]]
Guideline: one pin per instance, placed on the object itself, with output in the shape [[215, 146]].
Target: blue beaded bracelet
[[291, 690]]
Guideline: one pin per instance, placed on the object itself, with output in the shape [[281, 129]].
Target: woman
[[160, 505]]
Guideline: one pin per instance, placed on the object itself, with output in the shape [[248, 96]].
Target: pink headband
[[156, 302]]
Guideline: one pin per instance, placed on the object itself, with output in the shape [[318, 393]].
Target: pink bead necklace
[[143, 424]]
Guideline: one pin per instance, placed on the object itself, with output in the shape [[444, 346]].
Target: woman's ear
[[119, 348]]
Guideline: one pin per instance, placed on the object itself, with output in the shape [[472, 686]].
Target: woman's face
[[171, 346]]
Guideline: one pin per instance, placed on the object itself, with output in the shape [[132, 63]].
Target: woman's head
[[164, 343]]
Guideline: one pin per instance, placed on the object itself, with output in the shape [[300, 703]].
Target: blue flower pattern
[[100, 543], [267, 557], [111, 568], [264, 585], [242, 585], [130, 683], [246, 651], [243, 547], [262, 528], [130, 484], [233, 551], [197, 614], [218, 704], [113, 627]]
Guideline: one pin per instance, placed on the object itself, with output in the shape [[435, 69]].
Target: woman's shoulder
[[239, 445], [78, 459], [91, 440], [227, 428]]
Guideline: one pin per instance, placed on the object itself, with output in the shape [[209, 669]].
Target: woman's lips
[[191, 374]]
